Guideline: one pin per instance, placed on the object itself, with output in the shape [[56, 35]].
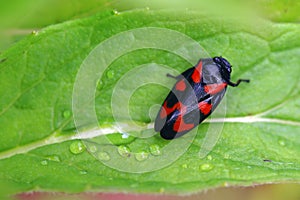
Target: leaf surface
[[260, 137]]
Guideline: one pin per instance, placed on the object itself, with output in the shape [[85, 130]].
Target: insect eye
[[217, 59], [225, 62], [229, 69]]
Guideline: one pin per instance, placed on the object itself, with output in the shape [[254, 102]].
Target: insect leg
[[175, 77], [238, 82]]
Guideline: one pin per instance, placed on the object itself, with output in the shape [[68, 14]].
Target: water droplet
[[54, 158], [110, 74], [125, 135], [155, 150], [184, 166], [115, 12], [44, 162], [67, 113], [83, 172], [140, 156], [209, 157], [124, 151], [206, 167], [93, 148], [104, 156], [281, 143], [35, 33], [77, 147]]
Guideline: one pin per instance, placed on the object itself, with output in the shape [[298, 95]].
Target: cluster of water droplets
[[50, 158], [142, 155], [77, 147]]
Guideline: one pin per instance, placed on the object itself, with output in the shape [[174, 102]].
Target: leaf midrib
[[55, 136]]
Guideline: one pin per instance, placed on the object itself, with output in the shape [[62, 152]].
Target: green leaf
[[39, 147]]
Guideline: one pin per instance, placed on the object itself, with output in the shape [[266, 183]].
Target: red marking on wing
[[205, 107], [180, 85], [214, 88], [165, 111], [180, 125], [197, 73]]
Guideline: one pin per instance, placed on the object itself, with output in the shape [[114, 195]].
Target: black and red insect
[[195, 95]]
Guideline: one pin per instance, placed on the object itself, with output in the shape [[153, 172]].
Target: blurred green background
[[20, 17]]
